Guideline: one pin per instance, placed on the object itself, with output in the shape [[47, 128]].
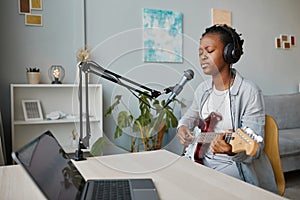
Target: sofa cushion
[[289, 142], [285, 109]]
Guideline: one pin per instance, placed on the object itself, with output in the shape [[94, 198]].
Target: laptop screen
[[51, 168]]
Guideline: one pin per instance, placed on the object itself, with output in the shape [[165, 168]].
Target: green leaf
[[98, 146], [113, 106], [158, 121], [147, 123], [171, 117], [124, 119], [118, 132]]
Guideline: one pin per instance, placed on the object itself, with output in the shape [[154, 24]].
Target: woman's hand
[[185, 135]]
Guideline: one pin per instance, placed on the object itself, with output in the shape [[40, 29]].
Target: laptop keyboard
[[112, 189]]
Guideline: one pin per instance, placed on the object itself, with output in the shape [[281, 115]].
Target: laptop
[[57, 177]]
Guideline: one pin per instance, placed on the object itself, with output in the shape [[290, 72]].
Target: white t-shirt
[[219, 102]]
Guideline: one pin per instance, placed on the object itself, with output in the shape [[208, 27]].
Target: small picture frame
[[32, 110], [278, 43], [284, 37], [24, 6], [33, 20], [221, 16], [36, 5], [293, 40], [286, 45]]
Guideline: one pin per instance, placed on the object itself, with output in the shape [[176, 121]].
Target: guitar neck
[[239, 141], [207, 137]]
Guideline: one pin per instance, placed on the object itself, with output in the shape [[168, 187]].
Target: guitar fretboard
[[207, 137]]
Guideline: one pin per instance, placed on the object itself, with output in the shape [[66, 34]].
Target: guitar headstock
[[241, 141]]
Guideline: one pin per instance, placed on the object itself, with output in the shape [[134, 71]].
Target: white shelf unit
[[55, 97]]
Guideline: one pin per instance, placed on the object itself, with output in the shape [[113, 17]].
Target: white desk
[[175, 177], [16, 184]]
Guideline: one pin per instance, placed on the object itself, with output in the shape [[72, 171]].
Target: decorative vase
[[33, 77]]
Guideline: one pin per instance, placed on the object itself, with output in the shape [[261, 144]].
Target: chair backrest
[[2, 161], [272, 150], [2, 144]]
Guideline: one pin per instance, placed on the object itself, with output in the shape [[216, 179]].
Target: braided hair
[[227, 35]]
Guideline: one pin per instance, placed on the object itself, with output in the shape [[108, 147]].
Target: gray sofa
[[285, 109]]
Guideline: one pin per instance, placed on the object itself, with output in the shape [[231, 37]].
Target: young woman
[[238, 101]]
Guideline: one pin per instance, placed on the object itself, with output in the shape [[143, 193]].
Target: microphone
[[188, 75]]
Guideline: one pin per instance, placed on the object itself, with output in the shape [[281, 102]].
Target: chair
[[272, 150], [2, 144]]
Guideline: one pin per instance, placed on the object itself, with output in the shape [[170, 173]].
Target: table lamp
[[56, 74]]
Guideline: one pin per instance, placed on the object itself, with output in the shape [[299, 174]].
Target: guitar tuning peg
[[259, 138], [253, 135]]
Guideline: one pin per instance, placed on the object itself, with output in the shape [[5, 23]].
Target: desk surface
[[175, 177]]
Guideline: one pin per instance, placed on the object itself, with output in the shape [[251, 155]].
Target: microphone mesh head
[[189, 74]]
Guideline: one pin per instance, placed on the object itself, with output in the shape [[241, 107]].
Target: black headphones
[[232, 51]]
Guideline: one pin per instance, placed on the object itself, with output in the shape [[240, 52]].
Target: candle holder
[[56, 74]]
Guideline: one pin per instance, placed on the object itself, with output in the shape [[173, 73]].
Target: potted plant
[[148, 128], [33, 75]]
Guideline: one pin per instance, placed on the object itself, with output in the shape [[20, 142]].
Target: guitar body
[[209, 126]]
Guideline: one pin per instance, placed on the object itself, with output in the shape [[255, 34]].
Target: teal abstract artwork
[[162, 35]]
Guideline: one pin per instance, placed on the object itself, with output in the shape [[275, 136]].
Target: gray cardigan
[[247, 110]]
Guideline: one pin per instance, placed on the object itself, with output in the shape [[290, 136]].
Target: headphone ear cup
[[231, 55], [227, 53]]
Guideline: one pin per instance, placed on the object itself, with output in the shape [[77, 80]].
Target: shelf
[[59, 121], [51, 85], [55, 97]]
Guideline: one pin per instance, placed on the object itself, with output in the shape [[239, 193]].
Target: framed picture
[[36, 5], [221, 16], [32, 110], [24, 6], [33, 20], [162, 35], [286, 45], [284, 37], [278, 42], [293, 40]]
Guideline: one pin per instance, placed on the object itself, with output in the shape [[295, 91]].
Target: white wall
[[114, 33], [276, 71]]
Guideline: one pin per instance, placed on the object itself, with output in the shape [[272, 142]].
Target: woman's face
[[211, 54]]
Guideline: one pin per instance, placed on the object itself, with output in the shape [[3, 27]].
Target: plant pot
[[33, 77]]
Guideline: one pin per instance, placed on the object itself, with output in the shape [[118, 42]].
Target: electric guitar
[[244, 139]]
